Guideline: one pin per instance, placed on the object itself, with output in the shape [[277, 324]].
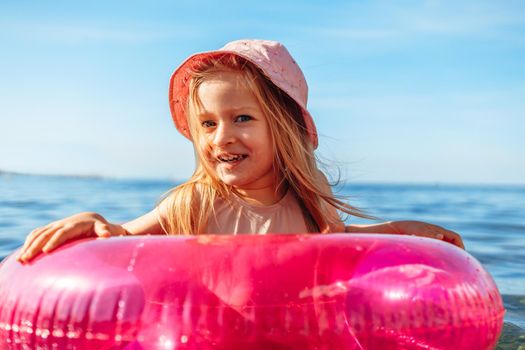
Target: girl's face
[[235, 133]]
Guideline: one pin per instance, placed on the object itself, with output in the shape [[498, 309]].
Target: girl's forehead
[[230, 84], [225, 93], [234, 78]]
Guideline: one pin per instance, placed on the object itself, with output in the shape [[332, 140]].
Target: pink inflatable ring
[[337, 291]]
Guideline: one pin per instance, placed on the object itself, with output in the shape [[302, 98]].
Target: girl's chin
[[231, 181], [236, 181]]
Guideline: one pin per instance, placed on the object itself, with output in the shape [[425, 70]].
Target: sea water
[[491, 219]]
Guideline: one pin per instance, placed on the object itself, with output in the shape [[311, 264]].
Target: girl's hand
[[423, 229], [415, 228], [47, 238]]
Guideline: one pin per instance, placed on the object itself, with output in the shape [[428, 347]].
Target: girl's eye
[[208, 124], [243, 118]]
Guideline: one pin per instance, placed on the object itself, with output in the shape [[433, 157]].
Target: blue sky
[[404, 91]]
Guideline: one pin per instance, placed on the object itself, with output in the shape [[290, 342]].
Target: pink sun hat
[[271, 57]]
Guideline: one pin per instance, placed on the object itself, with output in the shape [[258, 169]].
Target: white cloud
[[389, 23]]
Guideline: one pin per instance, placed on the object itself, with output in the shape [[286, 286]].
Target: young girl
[[244, 108]]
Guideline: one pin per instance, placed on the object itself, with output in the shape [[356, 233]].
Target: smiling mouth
[[231, 158]]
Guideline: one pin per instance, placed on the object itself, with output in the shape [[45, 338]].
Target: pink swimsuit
[[239, 217]]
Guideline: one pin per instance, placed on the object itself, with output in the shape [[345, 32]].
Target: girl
[[244, 108]]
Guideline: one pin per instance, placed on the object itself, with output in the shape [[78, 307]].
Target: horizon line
[[7, 173]]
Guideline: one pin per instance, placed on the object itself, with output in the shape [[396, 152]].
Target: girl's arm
[[88, 224], [148, 223], [414, 228]]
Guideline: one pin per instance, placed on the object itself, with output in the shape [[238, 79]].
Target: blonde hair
[[190, 205]]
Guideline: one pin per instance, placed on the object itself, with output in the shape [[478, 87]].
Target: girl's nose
[[224, 134]]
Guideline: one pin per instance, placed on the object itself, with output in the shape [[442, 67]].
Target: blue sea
[[491, 219]]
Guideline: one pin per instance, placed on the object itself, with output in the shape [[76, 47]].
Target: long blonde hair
[[190, 205]]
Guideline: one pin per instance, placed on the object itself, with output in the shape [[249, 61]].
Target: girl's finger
[[442, 235], [102, 229], [37, 244], [445, 235], [59, 237], [106, 229], [455, 239], [459, 242], [66, 233], [34, 234], [429, 234]]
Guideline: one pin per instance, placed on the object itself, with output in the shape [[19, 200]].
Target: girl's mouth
[[231, 158]]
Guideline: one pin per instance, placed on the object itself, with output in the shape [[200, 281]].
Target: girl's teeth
[[231, 158]]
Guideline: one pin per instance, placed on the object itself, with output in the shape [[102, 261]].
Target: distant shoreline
[[76, 176], [5, 173]]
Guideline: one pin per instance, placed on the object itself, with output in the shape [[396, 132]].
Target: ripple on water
[[6, 224], [26, 204], [515, 311]]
